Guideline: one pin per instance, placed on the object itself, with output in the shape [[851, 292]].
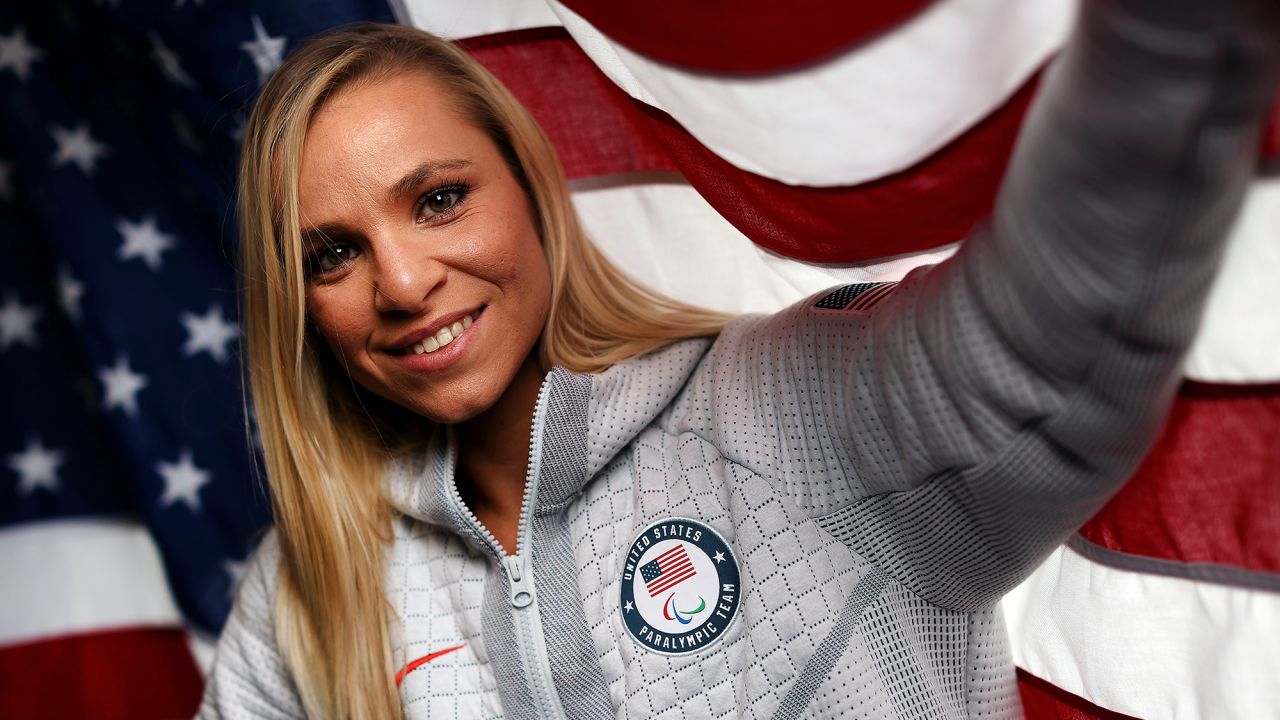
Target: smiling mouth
[[443, 336]]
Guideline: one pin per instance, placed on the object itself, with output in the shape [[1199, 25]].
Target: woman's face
[[414, 228]]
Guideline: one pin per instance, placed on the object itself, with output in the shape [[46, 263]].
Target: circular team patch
[[680, 587]]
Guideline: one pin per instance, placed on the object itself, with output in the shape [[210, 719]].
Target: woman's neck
[[493, 455]]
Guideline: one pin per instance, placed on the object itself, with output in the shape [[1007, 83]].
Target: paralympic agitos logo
[[680, 586]]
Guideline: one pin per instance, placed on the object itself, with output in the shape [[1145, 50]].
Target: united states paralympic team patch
[[680, 587]]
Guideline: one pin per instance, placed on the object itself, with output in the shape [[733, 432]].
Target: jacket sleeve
[[248, 680], [966, 423]]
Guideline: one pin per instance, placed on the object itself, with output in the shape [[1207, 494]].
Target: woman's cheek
[[339, 319]]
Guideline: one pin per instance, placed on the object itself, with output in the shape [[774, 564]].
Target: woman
[[509, 482]]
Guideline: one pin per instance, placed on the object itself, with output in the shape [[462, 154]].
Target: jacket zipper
[[520, 590]]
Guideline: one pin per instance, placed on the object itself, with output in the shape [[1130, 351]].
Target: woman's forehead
[[380, 139], [401, 106]]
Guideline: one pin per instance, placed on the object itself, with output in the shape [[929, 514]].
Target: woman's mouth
[[444, 335]]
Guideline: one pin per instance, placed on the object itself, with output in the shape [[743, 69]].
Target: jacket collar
[[588, 419]]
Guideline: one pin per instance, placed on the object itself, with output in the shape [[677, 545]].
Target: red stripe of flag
[[598, 129], [745, 35], [675, 580], [1271, 142], [1042, 700], [1207, 490], [668, 555], [125, 673]]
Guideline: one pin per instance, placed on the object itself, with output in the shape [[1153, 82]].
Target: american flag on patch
[[667, 570], [857, 297]]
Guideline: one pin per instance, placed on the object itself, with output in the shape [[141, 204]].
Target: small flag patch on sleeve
[[858, 297]]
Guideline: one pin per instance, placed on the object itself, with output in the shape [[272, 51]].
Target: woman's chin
[[454, 410]]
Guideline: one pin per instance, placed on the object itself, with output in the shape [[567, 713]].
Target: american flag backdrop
[[739, 155]]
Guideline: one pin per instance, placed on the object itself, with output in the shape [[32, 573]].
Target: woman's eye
[[441, 201], [330, 258]]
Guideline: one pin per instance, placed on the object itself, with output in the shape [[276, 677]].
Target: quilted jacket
[[815, 514]]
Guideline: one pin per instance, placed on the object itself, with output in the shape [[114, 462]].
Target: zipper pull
[[519, 585]]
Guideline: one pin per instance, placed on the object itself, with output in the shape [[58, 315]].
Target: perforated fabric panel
[[920, 646], [627, 397], [916, 647], [248, 681], [992, 690], [577, 676]]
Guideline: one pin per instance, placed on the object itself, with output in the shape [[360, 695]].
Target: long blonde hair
[[326, 443]]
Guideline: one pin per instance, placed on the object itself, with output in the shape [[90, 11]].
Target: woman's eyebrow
[[420, 174], [321, 234]]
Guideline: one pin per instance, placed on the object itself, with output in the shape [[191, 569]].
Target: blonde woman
[[509, 482]]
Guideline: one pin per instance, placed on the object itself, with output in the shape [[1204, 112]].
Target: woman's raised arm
[[961, 428]]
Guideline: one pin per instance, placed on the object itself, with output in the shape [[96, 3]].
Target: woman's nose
[[404, 278]]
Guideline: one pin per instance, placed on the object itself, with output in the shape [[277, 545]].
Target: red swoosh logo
[[423, 661]]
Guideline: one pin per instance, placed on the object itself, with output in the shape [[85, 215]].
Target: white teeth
[[443, 337]]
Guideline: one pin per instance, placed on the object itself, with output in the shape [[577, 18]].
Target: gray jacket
[[815, 514]]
